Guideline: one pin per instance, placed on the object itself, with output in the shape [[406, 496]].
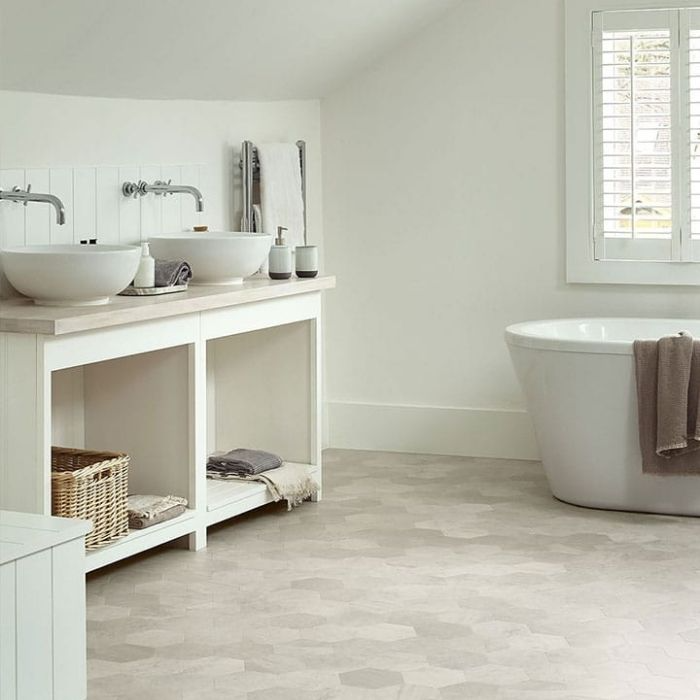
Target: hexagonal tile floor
[[417, 577]]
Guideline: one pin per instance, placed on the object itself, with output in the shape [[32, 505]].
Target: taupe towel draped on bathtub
[[668, 401]]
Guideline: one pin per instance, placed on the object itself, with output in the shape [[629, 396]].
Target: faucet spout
[[188, 189], [57, 205], [17, 194], [160, 187]]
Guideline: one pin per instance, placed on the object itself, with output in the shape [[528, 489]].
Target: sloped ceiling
[[200, 49]]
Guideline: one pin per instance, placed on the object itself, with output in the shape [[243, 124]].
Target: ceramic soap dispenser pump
[[280, 260]]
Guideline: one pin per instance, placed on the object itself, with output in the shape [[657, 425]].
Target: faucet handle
[[17, 188], [134, 189]]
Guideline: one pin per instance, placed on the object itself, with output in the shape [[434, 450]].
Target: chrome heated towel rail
[[250, 171]]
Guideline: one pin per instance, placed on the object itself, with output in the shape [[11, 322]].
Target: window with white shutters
[[691, 59], [633, 142], [635, 110]]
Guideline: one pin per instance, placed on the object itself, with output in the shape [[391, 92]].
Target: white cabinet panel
[[8, 657], [69, 633], [42, 607], [34, 631]]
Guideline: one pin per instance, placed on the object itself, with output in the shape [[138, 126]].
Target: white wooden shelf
[[228, 498], [141, 540], [168, 381]]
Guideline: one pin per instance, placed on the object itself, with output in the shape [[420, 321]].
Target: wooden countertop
[[23, 316]]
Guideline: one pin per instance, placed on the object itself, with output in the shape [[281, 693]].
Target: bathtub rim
[[524, 334]]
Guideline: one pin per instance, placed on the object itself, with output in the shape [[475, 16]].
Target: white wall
[[443, 173], [49, 132]]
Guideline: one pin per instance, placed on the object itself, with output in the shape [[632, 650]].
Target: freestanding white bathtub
[[578, 379]]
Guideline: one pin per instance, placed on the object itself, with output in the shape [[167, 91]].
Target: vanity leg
[[25, 425], [197, 540]]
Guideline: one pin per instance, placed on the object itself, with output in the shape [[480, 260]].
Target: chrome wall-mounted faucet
[[17, 194], [160, 187]]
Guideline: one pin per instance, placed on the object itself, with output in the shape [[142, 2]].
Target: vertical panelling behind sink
[[95, 206]]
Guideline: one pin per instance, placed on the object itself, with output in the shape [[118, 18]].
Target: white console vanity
[[168, 380]]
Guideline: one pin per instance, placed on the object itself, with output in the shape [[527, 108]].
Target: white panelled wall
[[95, 205], [82, 149]]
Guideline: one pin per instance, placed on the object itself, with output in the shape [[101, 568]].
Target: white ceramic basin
[[216, 257], [70, 275]]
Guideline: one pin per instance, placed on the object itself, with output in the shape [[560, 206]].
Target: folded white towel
[[280, 191]]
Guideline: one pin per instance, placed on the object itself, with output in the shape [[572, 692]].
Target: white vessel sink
[[216, 257], [70, 275]]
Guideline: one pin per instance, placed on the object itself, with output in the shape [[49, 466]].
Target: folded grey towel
[[172, 272], [668, 404], [243, 461], [291, 482]]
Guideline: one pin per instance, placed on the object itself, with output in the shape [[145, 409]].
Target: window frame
[[581, 265]]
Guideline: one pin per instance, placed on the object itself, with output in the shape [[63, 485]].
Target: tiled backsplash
[[95, 206]]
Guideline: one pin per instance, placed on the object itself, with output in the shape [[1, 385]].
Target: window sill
[[632, 272]]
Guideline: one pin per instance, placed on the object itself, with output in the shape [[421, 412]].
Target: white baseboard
[[469, 432]]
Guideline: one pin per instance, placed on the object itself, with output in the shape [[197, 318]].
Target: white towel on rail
[[280, 191]]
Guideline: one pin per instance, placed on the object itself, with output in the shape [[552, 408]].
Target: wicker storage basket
[[92, 486]]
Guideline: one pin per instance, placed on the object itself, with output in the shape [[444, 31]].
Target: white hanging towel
[[280, 191]]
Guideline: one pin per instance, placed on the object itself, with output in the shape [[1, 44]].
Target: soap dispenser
[[280, 260], [146, 272]]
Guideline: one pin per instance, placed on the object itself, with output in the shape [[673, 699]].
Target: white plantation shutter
[[690, 27], [637, 180]]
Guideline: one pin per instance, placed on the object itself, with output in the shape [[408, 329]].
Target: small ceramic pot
[[306, 260]]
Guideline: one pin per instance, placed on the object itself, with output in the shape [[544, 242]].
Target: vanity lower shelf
[[138, 541], [225, 499]]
